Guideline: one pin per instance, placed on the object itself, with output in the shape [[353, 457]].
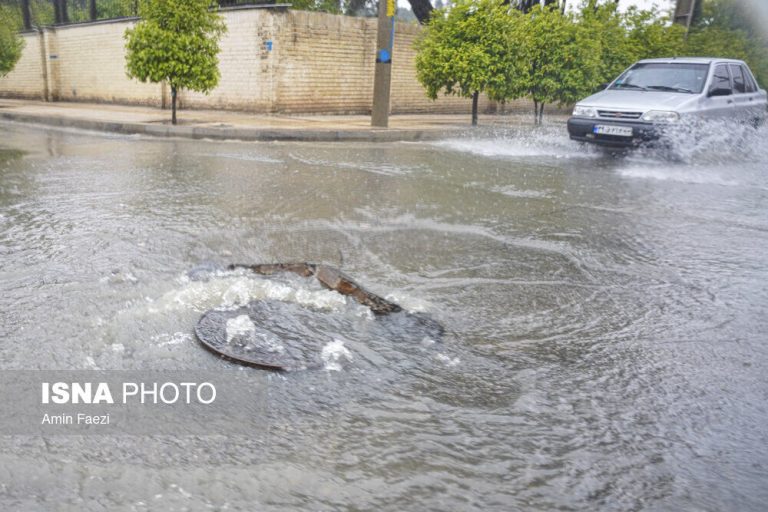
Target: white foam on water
[[409, 302], [235, 291], [242, 331], [333, 353], [697, 176], [240, 326], [382, 168], [447, 360], [165, 339], [524, 194], [247, 157]]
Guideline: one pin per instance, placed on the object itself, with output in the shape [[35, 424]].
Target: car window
[[721, 79], [664, 77], [749, 83], [739, 86]]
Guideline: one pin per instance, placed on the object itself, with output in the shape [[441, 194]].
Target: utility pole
[[382, 78], [684, 12]]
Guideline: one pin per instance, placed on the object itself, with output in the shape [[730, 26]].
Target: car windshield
[[665, 77]]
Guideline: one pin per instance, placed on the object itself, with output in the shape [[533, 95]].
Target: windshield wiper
[[670, 89], [631, 86]]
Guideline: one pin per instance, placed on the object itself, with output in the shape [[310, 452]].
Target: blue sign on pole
[[384, 56]]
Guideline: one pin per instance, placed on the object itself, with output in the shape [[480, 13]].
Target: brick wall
[[246, 66], [325, 63], [26, 80], [318, 63], [90, 66]]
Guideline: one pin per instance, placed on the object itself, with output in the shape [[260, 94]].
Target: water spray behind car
[[657, 103]]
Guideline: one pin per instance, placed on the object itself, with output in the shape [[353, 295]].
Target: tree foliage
[[729, 28], [469, 49], [329, 6], [177, 41], [10, 43], [653, 35], [488, 46], [563, 55], [520, 48]]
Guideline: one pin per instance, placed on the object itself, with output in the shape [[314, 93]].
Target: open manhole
[[280, 335]]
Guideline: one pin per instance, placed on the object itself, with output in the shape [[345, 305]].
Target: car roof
[[691, 60]]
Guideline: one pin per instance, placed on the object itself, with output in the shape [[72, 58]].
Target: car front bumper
[[583, 129]]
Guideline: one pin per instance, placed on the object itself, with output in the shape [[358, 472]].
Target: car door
[[741, 97], [718, 102], [755, 102]]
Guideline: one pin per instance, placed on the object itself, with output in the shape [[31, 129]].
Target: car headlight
[[580, 111], [661, 116]]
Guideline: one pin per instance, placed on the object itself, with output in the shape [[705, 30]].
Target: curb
[[233, 133]]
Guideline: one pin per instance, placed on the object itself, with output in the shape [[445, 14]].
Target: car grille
[[613, 114]]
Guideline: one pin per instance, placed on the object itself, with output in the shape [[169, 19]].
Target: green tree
[[330, 6], [177, 41], [470, 49], [10, 42], [653, 35], [107, 9], [630, 36], [563, 56], [728, 28], [607, 26]]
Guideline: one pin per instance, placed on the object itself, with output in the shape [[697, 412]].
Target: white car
[[656, 94]]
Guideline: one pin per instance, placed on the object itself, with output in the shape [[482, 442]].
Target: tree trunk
[[475, 97], [56, 11], [92, 10], [173, 103], [26, 14], [541, 113], [355, 7], [64, 12], [422, 9], [535, 111]]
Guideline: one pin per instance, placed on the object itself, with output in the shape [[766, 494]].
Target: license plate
[[621, 131]]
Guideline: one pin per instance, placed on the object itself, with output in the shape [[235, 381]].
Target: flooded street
[[606, 326]]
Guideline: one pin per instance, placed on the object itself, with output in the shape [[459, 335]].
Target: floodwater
[[606, 319]]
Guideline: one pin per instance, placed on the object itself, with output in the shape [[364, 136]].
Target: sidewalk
[[221, 124]]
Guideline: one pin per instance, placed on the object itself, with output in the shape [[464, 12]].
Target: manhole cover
[[288, 336]]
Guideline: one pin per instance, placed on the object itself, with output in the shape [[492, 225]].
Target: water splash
[[660, 172], [333, 353], [549, 141], [716, 141], [230, 290], [715, 152]]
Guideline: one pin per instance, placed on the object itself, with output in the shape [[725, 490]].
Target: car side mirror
[[720, 91]]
